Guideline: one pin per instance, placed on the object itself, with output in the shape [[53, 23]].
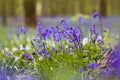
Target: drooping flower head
[[99, 41], [95, 14], [81, 70], [8, 53], [38, 27], [105, 72], [45, 53], [26, 55], [64, 23], [92, 65], [22, 30]]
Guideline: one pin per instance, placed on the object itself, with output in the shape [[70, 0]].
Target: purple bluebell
[[45, 33], [64, 23], [99, 41], [76, 31], [82, 49], [106, 72], [66, 49], [22, 30], [38, 34], [8, 53], [55, 51], [94, 34], [81, 70], [26, 55], [72, 47], [80, 19], [102, 49], [60, 46], [45, 52], [74, 37], [94, 29], [79, 37], [95, 14], [92, 65], [38, 41], [39, 27]]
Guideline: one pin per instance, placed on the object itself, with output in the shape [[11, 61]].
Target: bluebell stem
[[95, 15]]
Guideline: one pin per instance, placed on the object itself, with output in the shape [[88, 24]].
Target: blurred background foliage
[[29, 11]]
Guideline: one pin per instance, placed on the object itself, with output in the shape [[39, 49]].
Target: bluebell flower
[[79, 37], [95, 14], [8, 53], [92, 65], [64, 23], [102, 49], [39, 27], [22, 30], [60, 46], [105, 72], [74, 37], [76, 31], [99, 41], [26, 55], [94, 31], [94, 34], [80, 19], [55, 51], [81, 70], [45, 52], [38, 41]]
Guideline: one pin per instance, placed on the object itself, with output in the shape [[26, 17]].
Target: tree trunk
[[82, 6], [12, 7], [103, 7], [77, 7], [70, 7], [30, 12], [3, 12], [53, 7]]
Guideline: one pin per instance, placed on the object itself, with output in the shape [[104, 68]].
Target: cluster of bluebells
[[63, 44], [65, 34], [21, 30]]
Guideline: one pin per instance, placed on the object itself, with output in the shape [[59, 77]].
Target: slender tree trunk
[[53, 7], [77, 8], [44, 7], [3, 12], [12, 7], [30, 12], [82, 6], [70, 7], [103, 7]]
